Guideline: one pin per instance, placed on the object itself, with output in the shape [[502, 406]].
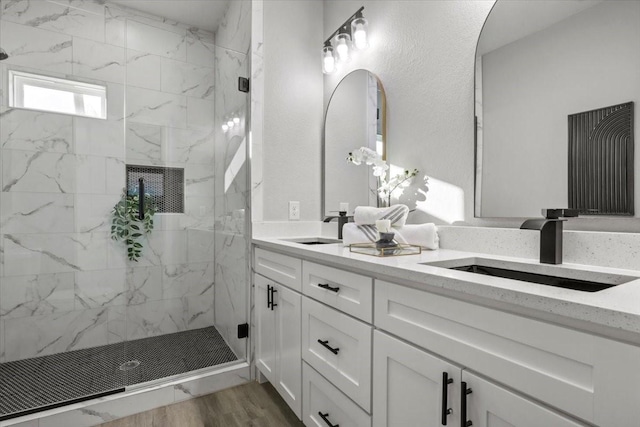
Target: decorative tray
[[371, 249]]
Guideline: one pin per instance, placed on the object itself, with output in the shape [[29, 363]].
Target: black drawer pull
[[446, 411], [463, 405], [273, 291], [325, 417], [269, 296], [328, 287], [326, 345]]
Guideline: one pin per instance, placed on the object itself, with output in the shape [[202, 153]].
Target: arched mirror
[[557, 91], [355, 118]]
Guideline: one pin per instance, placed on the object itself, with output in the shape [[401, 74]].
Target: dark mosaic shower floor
[[40, 382]]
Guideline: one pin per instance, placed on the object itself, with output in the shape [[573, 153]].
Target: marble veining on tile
[[36, 131]]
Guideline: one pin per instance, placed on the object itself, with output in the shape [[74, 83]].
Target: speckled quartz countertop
[[612, 312]]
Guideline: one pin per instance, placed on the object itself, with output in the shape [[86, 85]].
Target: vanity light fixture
[[352, 34], [343, 44], [328, 61]]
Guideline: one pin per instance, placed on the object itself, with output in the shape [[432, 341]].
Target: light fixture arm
[[346, 24]]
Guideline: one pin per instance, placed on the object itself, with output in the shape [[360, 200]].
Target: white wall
[[423, 52], [527, 100], [292, 109]]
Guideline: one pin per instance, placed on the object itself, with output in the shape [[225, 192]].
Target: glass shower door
[[61, 290]]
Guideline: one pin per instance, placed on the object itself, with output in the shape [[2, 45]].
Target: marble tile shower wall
[[64, 284]]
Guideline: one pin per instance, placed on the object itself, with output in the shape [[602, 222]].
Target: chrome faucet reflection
[[342, 220], [550, 233]]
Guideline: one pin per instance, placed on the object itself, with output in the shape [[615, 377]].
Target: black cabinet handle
[[325, 417], [273, 291], [445, 397], [328, 287], [326, 345], [463, 405], [141, 199], [269, 302]]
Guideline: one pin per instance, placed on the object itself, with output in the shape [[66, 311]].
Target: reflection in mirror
[[538, 64], [355, 118]]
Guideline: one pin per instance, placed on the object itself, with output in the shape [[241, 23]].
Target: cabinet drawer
[[348, 292], [281, 268], [588, 376], [322, 397], [339, 347]]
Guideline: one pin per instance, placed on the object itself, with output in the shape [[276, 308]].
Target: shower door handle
[[141, 199]]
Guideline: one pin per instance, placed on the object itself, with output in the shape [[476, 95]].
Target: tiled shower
[[67, 288]]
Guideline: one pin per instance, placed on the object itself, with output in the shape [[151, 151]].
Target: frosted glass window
[[44, 93]]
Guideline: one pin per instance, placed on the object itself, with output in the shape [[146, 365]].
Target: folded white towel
[[425, 235], [368, 215]]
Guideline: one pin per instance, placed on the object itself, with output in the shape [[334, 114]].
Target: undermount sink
[[313, 241], [557, 276]]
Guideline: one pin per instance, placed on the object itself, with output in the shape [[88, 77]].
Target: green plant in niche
[[128, 227]]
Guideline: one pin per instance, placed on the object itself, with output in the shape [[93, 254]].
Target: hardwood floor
[[250, 404]]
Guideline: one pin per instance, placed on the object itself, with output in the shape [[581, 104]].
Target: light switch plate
[[294, 210]]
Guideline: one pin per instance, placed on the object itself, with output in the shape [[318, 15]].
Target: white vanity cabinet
[[384, 354], [584, 375], [412, 387], [489, 405], [277, 314]]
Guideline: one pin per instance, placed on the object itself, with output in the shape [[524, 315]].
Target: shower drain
[[127, 366]]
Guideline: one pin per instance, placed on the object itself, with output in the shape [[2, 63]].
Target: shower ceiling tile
[[36, 48], [55, 17], [36, 131]]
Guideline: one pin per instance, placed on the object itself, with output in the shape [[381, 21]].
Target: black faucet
[[550, 233], [342, 220]]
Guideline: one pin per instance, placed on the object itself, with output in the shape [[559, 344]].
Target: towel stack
[[363, 229]]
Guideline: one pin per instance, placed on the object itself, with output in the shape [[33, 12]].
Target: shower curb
[[136, 399]]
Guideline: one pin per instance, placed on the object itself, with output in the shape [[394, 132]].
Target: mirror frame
[[323, 186]]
